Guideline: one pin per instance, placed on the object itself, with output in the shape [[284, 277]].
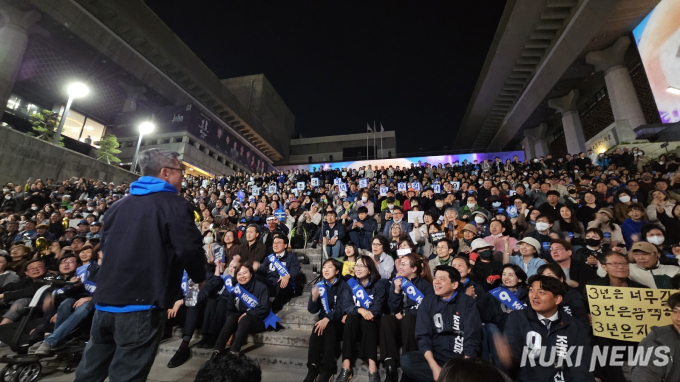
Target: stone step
[[278, 363], [297, 318]]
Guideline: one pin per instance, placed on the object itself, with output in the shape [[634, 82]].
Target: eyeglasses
[[34, 269], [359, 266], [68, 262], [617, 265], [556, 249], [376, 245]]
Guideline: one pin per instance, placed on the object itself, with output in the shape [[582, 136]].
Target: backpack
[[298, 238]]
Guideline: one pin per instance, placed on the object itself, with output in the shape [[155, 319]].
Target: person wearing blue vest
[[330, 298], [248, 310], [280, 270], [370, 303], [148, 239], [448, 326], [404, 297]]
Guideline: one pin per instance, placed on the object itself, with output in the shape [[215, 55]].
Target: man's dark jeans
[[122, 346]]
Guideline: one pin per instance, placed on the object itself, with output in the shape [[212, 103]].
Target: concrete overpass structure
[[551, 63]]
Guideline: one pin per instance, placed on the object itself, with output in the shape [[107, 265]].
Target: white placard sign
[[300, 185], [383, 190]]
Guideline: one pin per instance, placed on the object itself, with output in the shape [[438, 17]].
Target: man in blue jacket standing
[[148, 239]]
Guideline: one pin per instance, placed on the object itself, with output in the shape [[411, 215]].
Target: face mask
[[90, 208], [661, 162], [542, 226], [5, 190], [485, 254], [479, 220], [208, 240], [624, 198], [364, 199], [471, 205], [8, 197], [526, 185], [390, 206], [34, 208], [535, 160], [656, 240], [593, 242], [439, 204], [496, 204]]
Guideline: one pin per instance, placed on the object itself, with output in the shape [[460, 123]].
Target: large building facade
[[137, 70]]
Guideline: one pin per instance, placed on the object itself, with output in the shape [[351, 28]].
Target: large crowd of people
[[422, 265]]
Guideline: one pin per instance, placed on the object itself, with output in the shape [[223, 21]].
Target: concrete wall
[[22, 156], [319, 148], [258, 95]]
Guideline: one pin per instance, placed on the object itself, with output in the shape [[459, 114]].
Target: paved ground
[[187, 372]]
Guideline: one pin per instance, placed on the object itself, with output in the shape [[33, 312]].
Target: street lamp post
[[76, 90], [144, 128]]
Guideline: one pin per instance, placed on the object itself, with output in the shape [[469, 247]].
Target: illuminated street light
[[144, 128], [75, 90]]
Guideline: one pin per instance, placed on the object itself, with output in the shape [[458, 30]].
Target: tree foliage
[[44, 126], [108, 148]]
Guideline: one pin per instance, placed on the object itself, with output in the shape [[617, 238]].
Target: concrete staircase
[[284, 348]]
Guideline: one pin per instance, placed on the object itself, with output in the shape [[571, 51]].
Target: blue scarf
[[507, 298], [227, 283], [185, 282], [252, 302], [280, 268], [81, 273], [323, 293], [412, 292], [360, 293]]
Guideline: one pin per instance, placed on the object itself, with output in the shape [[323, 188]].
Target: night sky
[[411, 65]]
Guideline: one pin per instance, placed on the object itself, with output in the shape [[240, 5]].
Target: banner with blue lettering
[[360, 293], [411, 291], [506, 297], [251, 302], [401, 187], [81, 273], [324, 296]]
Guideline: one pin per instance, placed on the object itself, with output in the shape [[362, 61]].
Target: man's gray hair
[[451, 209], [151, 161]]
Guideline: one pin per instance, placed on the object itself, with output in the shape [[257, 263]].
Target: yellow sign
[[627, 314]]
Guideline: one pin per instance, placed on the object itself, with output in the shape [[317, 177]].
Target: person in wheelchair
[[73, 303], [19, 294]]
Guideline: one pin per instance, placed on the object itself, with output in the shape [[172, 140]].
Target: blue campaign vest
[[81, 273], [360, 293], [506, 297], [411, 291], [251, 302]]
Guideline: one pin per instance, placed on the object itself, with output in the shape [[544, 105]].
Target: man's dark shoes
[[374, 377], [325, 377], [312, 372], [181, 356], [391, 374], [344, 376]]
